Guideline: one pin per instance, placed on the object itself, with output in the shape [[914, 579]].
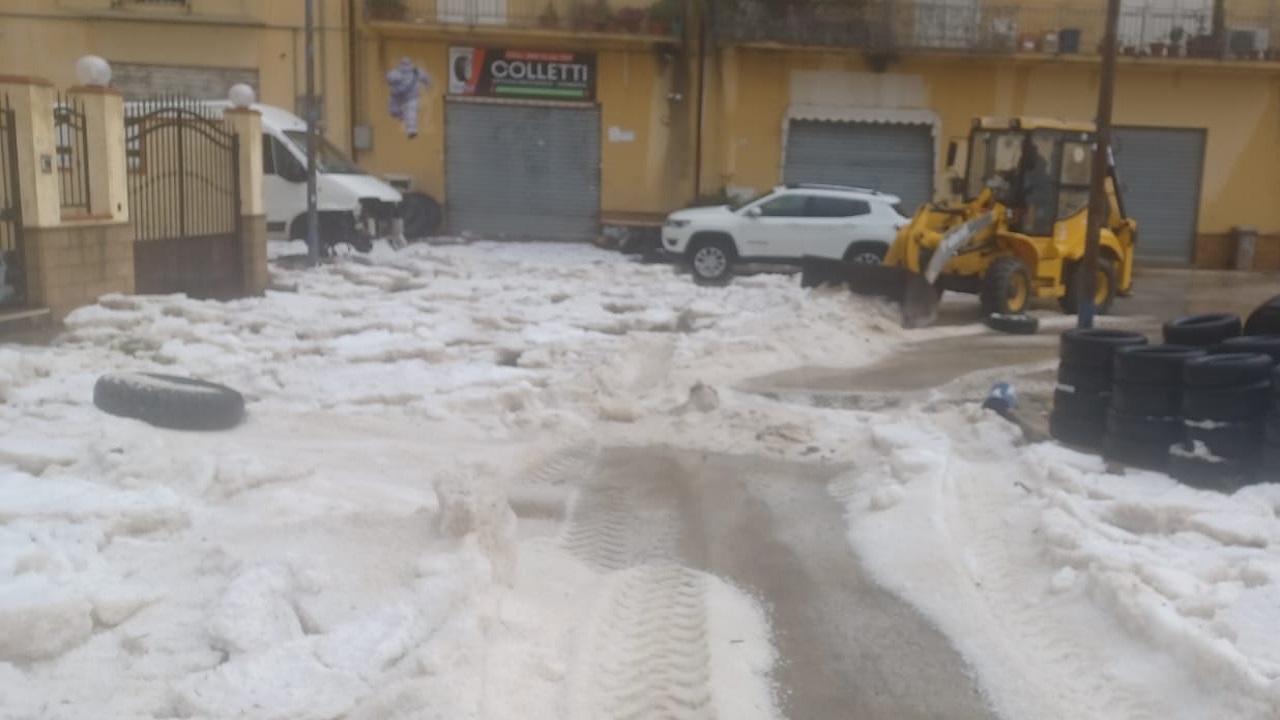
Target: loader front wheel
[[1006, 287], [1104, 288]]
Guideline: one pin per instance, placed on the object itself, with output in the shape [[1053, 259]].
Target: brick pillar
[[247, 124], [108, 173]]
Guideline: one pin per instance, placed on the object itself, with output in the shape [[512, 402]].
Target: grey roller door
[[523, 171], [1160, 171], [892, 158]]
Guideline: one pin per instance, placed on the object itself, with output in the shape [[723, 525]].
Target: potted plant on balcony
[[1175, 41], [662, 16], [630, 19], [550, 18], [594, 16], [385, 9]]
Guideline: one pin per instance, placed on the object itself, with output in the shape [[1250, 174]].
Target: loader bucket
[[910, 290]]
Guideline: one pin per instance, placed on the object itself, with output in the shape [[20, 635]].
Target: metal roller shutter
[[523, 171], [1160, 171], [892, 158]]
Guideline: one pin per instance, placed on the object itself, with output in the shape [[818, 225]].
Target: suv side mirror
[[754, 211], [951, 154]]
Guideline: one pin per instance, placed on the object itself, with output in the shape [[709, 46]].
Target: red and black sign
[[490, 72]]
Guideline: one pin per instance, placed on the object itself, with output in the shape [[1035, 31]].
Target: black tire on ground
[[1013, 324], [1007, 287], [1148, 456], [1088, 407], [1202, 330], [1227, 369], [871, 253], [1096, 346], [1268, 470], [1242, 403], [1265, 319], [422, 215], [1269, 344], [1234, 441], [1146, 401], [169, 401], [1153, 364], [1071, 430], [1074, 278], [1084, 378], [1162, 431], [1224, 475], [1271, 428], [711, 259]]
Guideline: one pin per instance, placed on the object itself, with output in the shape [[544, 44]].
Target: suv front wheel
[[711, 259]]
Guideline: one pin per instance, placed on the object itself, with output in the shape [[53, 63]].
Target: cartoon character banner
[[493, 72], [403, 81]]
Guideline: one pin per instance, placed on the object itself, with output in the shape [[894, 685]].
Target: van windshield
[[329, 159]]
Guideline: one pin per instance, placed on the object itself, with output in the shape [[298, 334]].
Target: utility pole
[[1099, 208], [313, 239]]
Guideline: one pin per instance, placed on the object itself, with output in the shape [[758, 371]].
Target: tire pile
[[1202, 406]]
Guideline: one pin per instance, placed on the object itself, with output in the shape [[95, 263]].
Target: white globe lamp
[[241, 95], [93, 71]]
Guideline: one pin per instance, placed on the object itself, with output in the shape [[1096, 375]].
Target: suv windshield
[[329, 159]]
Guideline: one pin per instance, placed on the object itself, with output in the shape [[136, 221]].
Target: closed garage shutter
[[891, 158], [523, 171], [1160, 170]]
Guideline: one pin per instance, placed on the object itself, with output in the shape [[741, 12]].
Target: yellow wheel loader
[[1016, 233]]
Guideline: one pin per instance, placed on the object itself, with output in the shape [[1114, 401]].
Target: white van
[[353, 206]]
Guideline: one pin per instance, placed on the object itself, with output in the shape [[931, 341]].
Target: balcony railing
[[1182, 28], [660, 18]]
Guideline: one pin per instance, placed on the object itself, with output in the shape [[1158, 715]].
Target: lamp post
[[93, 71], [313, 240], [1099, 208]]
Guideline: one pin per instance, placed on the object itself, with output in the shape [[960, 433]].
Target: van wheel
[[333, 229], [422, 215]]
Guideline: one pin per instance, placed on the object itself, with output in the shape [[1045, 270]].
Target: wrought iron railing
[[71, 132], [663, 18], [1184, 28], [12, 264]]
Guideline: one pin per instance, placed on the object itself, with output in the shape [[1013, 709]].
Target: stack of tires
[[1269, 459], [1225, 400], [1083, 396], [1145, 418], [1205, 330]]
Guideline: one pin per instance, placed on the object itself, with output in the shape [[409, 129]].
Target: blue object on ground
[[1002, 398]]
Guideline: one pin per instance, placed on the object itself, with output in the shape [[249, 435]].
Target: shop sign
[[498, 72]]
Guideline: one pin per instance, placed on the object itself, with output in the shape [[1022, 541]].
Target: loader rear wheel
[[1006, 287], [1104, 287]]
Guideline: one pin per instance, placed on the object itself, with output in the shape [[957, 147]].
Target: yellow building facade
[[623, 116], [1208, 131], [194, 48], [570, 120]]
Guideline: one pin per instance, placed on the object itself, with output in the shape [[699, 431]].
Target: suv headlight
[[677, 223]]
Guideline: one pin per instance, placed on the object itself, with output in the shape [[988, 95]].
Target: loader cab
[[1040, 173]]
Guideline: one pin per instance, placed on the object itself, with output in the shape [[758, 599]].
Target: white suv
[[783, 225]]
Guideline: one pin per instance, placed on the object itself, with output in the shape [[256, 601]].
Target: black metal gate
[[13, 286], [184, 199]]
